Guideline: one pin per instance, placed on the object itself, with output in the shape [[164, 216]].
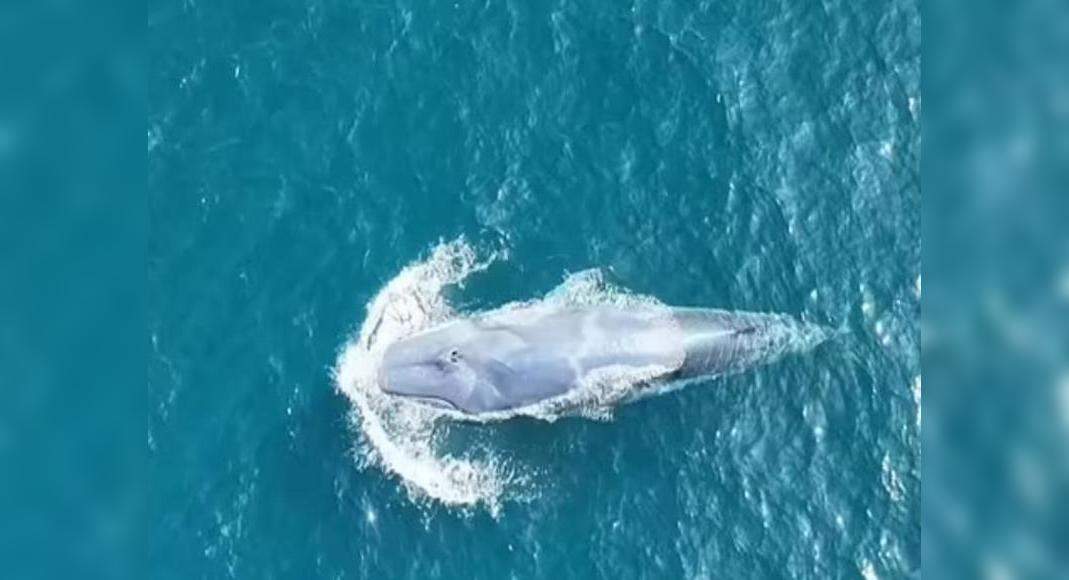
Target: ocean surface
[[326, 176]]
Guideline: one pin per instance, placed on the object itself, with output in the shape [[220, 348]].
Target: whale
[[524, 356]]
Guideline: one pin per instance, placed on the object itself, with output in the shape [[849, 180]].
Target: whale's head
[[444, 367]]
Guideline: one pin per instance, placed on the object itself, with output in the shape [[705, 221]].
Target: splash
[[401, 438]]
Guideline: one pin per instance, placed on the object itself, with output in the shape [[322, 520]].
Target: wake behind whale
[[584, 348]]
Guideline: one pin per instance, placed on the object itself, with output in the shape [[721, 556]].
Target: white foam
[[399, 437], [917, 398], [887, 150], [868, 571], [891, 480]]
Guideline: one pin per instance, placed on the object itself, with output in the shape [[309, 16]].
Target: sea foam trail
[[405, 438]]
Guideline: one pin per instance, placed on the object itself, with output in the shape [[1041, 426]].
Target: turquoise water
[[306, 155]]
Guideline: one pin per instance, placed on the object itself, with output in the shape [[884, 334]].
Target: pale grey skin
[[520, 357]]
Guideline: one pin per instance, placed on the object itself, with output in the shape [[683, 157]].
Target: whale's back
[[542, 355], [517, 357], [719, 342]]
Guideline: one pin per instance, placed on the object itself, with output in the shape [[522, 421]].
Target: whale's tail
[[718, 342]]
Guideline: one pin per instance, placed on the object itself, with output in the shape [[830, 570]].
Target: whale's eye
[[453, 356]]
